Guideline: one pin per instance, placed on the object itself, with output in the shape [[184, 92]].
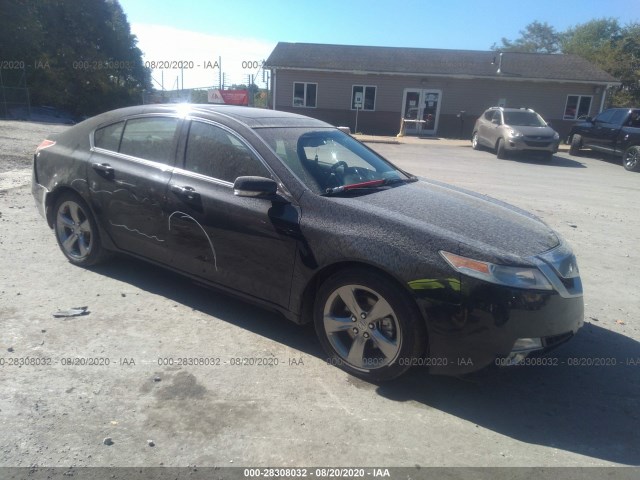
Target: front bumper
[[485, 326], [521, 144], [473, 323]]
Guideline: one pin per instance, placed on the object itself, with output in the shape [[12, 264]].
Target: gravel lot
[[303, 412]]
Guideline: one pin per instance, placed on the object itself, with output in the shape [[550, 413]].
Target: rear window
[[108, 137]]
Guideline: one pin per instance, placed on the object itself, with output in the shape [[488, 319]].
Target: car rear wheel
[[576, 145], [474, 141], [76, 231], [367, 325], [631, 159], [501, 151]]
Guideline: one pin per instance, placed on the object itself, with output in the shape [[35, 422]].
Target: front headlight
[[514, 133], [517, 277]]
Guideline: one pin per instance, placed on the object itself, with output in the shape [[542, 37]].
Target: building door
[[421, 109]]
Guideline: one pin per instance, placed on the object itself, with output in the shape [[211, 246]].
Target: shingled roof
[[427, 61]]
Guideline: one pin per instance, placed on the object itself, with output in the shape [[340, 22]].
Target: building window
[[367, 96], [577, 106], [304, 94]]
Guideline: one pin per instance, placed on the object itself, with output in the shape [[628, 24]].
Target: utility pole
[[250, 89]]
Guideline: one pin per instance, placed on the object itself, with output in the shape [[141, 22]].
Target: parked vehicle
[[295, 215], [615, 131], [507, 130]]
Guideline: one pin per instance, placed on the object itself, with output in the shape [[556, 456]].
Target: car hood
[[534, 131], [477, 221]]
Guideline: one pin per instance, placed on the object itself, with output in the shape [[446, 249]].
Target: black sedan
[[291, 213]]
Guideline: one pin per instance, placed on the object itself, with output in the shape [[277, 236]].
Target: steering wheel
[[337, 165], [358, 174]]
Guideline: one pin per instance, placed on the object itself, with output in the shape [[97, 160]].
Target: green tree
[[614, 49], [591, 40], [627, 69], [20, 30], [80, 56], [535, 38], [604, 42]]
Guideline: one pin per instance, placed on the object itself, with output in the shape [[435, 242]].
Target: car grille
[[538, 141], [555, 340]]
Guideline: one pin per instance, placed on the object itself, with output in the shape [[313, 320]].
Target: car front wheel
[[501, 151], [631, 159], [368, 325], [474, 141], [576, 145], [76, 231]]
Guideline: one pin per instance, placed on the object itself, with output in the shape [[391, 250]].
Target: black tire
[[631, 159], [475, 144], [501, 151], [548, 156], [576, 145], [375, 349], [76, 231]]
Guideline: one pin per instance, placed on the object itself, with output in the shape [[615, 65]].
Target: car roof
[[248, 116], [512, 109]]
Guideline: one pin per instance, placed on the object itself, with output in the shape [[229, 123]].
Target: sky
[[243, 34]]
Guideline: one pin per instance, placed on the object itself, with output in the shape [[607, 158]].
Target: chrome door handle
[[103, 168], [185, 191]]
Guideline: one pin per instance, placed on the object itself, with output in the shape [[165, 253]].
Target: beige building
[[437, 92]]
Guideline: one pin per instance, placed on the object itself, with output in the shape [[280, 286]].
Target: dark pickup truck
[[615, 131]]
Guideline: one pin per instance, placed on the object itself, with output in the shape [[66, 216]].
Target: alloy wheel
[[632, 159], [74, 230], [362, 327]]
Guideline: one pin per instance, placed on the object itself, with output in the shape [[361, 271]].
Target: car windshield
[[523, 119], [330, 161]]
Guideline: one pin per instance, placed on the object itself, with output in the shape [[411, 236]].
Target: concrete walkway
[[414, 140]]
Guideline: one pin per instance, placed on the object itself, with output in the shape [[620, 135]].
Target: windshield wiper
[[365, 185]]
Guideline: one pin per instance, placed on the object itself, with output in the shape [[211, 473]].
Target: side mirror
[[258, 187], [495, 121]]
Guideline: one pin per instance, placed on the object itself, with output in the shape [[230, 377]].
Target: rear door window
[[150, 138], [108, 138]]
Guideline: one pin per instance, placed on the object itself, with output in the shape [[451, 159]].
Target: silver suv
[[514, 129]]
